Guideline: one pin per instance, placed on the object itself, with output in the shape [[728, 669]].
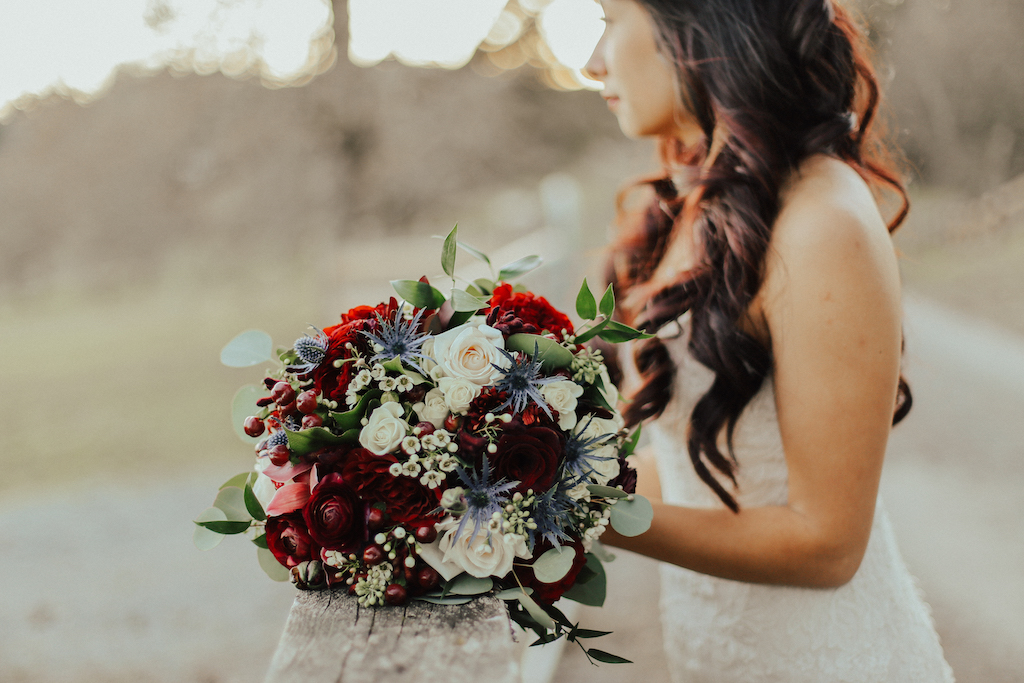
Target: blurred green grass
[[128, 384]]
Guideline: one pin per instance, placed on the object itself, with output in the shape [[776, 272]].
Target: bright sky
[[75, 45]]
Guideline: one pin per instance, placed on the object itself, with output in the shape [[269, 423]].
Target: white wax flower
[[432, 408], [468, 352], [384, 430], [561, 396], [458, 393]]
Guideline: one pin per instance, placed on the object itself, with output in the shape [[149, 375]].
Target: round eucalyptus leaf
[[231, 501], [632, 517], [553, 565], [242, 406], [203, 538], [251, 347], [466, 584], [446, 600], [269, 564]]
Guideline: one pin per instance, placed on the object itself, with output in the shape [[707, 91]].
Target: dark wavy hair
[[787, 79]]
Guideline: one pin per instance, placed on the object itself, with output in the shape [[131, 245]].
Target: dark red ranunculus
[[289, 540], [334, 514], [547, 593], [529, 455], [406, 499], [514, 312], [331, 381]]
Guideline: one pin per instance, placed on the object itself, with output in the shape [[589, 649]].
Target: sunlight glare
[[571, 28]]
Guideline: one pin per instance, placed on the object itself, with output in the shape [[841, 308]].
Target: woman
[[764, 265]]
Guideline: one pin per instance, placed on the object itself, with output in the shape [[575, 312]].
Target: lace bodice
[[875, 628]]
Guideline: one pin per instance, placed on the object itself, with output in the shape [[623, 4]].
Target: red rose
[[334, 514], [406, 499], [529, 455], [289, 540], [547, 593], [515, 312]]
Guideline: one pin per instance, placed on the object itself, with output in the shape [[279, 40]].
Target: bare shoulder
[[829, 234]]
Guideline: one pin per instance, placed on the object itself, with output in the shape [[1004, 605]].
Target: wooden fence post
[[329, 637]]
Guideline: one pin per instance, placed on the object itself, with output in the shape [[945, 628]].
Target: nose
[[595, 68]]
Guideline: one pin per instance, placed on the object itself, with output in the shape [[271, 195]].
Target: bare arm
[[830, 303]]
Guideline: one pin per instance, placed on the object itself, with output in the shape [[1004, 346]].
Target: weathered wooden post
[[329, 637]]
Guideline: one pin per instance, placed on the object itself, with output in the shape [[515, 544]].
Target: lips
[[612, 100]]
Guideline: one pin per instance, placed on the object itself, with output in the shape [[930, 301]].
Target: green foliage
[[203, 538], [252, 504], [630, 444], [448, 252], [446, 600], [225, 528], [632, 517], [351, 419], [465, 584], [535, 611], [607, 306], [419, 294], [520, 267], [251, 347], [606, 491], [464, 302], [586, 306], [231, 500], [238, 481], [550, 353], [311, 440], [473, 251], [591, 585], [243, 404], [606, 657], [269, 564], [554, 564]]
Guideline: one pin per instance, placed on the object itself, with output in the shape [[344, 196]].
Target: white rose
[[607, 468], [579, 492], [458, 393], [468, 351], [483, 557], [609, 390], [432, 408], [385, 429], [604, 459], [561, 396], [427, 349]]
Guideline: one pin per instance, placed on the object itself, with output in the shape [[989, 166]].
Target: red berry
[[269, 382], [288, 409], [312, 421], [373, 554], [425, 534], [279, 454], [253, 426], [395, 594], [424, 427], [306, 402], [375, 519], [452, 422], [416, 394], [282, 393], [428, 578]]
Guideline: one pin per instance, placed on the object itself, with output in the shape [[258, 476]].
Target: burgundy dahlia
[[289, 540], [334, 514]]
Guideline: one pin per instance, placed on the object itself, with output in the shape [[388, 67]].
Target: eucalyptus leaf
[[260, 541], [551, 354], [553, 565], [512, 593], [231, 500], [204, 538], [486, 286], [226, 528], [243, 405], [473, 251], [520, 267], [586, 307], [252, 504], [463, 301], [598, 550], [607, 306], [459, 317], [238, 481], [448, 252], [419, 294], [607, 657], [465, 584], [535, 611], [632, 517], [606, 491], [593, 591], [251, 347], [447, 600], [269, 564]]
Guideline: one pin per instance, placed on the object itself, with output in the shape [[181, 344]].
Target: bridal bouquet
[[438, 448]]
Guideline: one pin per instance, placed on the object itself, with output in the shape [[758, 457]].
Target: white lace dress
[[875, 629]]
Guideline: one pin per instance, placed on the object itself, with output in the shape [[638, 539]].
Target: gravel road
[[102, 583]]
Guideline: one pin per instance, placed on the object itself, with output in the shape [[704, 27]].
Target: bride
[[763, 263]]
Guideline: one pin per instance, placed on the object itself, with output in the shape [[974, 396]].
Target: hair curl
[[787, 79]]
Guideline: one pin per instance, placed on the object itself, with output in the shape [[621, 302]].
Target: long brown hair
[[787, 79]]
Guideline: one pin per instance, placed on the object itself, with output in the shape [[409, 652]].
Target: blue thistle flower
[[482, 498], [400, 338], [311, 351], [522, 381], [552, 512], [581, 452]]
